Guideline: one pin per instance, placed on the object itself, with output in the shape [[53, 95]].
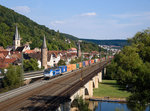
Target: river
[[104, 106], [111, 106]]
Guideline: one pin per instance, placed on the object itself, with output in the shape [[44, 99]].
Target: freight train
[[51, 72]]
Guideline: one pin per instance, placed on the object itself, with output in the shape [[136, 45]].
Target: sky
[[90, 19]]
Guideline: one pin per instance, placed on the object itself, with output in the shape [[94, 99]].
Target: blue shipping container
[[83, 63], [63, 69]]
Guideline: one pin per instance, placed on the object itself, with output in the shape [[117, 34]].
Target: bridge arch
[[86, 91], [93, 84]]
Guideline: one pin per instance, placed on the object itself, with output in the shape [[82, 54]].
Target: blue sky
[[91, 19]]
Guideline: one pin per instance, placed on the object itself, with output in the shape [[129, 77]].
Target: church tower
[[44, 54], [16, 40]]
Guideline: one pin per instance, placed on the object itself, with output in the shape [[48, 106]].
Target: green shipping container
[[77, 65]]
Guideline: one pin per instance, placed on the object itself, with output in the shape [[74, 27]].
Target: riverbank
[[108, 99], [110, 90]]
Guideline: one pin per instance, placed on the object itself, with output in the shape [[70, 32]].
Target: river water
[[104, 106], [111, 106]]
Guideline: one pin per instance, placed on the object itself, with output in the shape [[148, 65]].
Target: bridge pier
[[96, 81], [82, 92], [100, 76], [104, 71], [90, 88]]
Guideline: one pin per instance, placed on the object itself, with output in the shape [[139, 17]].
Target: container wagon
[[92, 61], [77, 66], [83, 63], [68, 67], [63, 69], [86, 63], [73, 66], [80, 64]]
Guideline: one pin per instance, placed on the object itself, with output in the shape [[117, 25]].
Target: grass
[[109, 88]]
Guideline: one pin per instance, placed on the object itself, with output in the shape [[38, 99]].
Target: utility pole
[[21, 76], [80, 54]]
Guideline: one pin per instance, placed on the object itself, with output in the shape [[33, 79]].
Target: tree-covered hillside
[[33, 33], [116, 42]]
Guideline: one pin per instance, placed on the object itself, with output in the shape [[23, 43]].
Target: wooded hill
[[116, 42], [33, 33]]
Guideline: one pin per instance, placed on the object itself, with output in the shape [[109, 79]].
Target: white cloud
[[88, 14], [57, 22], [22, 9]]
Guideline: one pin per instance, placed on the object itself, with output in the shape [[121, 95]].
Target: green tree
[[30, 65], [133, 68], [111, 70], [13, 77], [81, 104], [73, 61], [61, 62]]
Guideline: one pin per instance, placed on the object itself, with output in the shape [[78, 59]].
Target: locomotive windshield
[[46, 71]]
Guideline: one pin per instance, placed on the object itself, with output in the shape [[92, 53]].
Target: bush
[[13, 77]]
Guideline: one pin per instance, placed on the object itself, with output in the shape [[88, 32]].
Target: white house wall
[[39, 63]]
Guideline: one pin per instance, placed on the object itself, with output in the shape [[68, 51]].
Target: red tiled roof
[[2, 56], [2, 49], [4, 66], [16, 55], [5, 53], [4, 63], [73, 49], [29, 51], [8, 61], [55, 53]]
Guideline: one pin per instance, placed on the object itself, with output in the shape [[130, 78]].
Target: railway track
[[50, 95]]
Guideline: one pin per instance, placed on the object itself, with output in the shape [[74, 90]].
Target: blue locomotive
[[50, 72]]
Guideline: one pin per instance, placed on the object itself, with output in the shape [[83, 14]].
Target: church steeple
[[44, 43], [16, 39], [16, 35]]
